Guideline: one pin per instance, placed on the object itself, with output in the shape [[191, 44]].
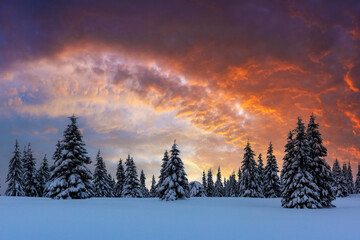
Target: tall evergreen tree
[[120, 179], [345, 179], [357, 181], [219, 188], [250, 182], [43, 175], [300, 190], [339, 184], [261, 172], [153, 187], [102, 182], [70, 177], [238, 190], [31, 184], [175, 183], [272, 186], [165, 160], [210, 191], [204, 182], [15, 174], [112, 185], [319, 168], [350, 180], [233, 186], [132, 183], [144, 190]]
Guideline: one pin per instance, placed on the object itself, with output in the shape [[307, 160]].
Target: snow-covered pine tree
[[287, 160], [357, 181], [31, 184], [219, 188], [196, 189], [320, 169], [261, 172], [339, 181], [43, 175], [299, 189], [15, 175], [204, 182], [239, 174], [112, 185], [70, 177], [272, 186], [143, 189], [226, 188], [153, 187], [344, 173], [250, 183], [132, 184], [210, 185], [120, 179], [350, 180], [233, 186], [101, 180], [175, 183], [164, 162]]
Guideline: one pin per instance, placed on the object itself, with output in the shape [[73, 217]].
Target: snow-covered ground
[[195, 218]]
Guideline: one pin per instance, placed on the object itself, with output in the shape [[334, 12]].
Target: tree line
[[306, 179]]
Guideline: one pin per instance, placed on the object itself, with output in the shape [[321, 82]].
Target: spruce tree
[[153, 187], [204, 182], [299, 190], [339, 181], [15, 175], [144, 190], [132, 184], [31, 184], [233, 185], [196, 189], [112, 184], [261, 172], [101, 180], [239, 174], [357, 181], [350, 180], [70, 177], [210, 191], [250, 182], [165, 160], [272, 186], [219, 188], [346, 184], [43, 175], [120, 179], [175, 183], [319, 168]]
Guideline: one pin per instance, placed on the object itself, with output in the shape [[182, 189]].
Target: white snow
[[195, 218]]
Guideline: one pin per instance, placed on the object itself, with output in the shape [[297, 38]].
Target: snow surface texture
[[194, 218]]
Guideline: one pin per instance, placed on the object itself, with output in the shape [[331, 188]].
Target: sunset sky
[[210, 74]]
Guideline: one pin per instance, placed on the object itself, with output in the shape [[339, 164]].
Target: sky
[[210, 74]]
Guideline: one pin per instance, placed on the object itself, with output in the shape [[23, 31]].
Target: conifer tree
[[102, 182], [261, 172], [239, 174], [153, 187], [339, 181], [226, 188], [120, 179], [233, 186], [250, 182], [204, 182], [43, 175], [132, 183], [300, 190], [210, 191], [70, 177], [346, 184], [319, 168], [219, 188], [272, 186], [144, 190], [357, 181], [165, 160], [196, 189], [15, 174], [350, 180], [31, 184], [112, 185], [175, 183]]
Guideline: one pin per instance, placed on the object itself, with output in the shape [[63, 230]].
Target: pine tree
[[120, 179], [112, 184], [15, 174], [272, 186], [144, 190], [204, 182], [70, 177], [357, 181], [153, 187], [196, 189], [250, 182], [319, 168], [239, 174], [233, 186], [210, 191], [43, 175], [175, 183], [344, 174], [101, 180], [339, 181], [132, 183], [219, 188], [299, 190], [165, 160], [350, 180], [261, 172], [31, 184]]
